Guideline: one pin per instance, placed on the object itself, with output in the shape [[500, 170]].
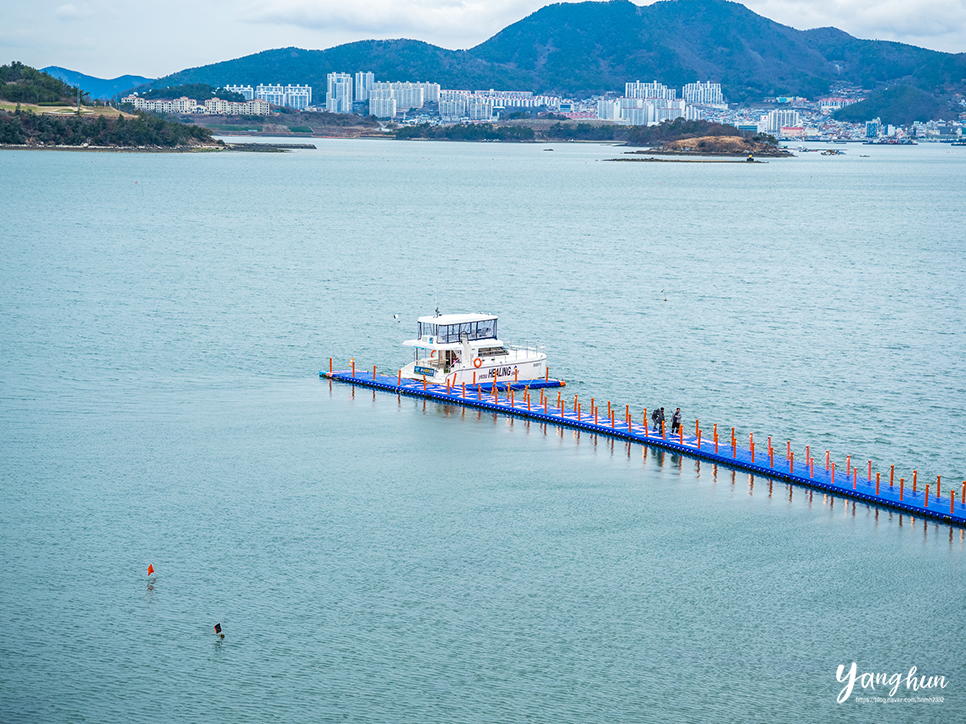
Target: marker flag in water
[[150, 569], [217, 628]]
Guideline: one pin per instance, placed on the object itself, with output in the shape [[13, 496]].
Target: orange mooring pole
[[877, 483], [353, 360], [902, 485], [330, 365], [927, 496], [373, 373], [915, 474]]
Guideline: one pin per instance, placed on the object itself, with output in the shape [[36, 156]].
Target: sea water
[[371, 558]]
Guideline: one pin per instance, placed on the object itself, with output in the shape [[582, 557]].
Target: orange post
[[751, 445], [546, 376], [545, 406], [399, 381], [808, 454], [447, 385], [716, 438], [892, 474], [696, 428], [811, 468], [528, 403], [681, 432], [479, 394], [915, 474], [699, 438], [952, 501], [877, 483], [848, 464], [373, 373], [424, 383], [575, 402], [902, 485], [927, 496], [608, 408], [595, 415], [855, 478], [791, 464], [788, 452], [474, 377], [645, 422], [330, 365], [826, 459], [464, 390], [938, 480], [353, 360], [578, 411], [833, 473], [663, 431], [771, 457], [516, 374], [511, 398], [870, 471], [612, 418]]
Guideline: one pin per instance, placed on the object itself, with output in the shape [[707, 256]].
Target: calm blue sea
[[163, 320]]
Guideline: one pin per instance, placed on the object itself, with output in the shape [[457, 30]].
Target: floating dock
[[935, 500]]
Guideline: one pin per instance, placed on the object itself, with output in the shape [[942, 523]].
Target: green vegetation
[[21, 127], [198, 91], [300, 129], [476, 132], [680, 128], [20, 83], [899, 106], [584, 132]]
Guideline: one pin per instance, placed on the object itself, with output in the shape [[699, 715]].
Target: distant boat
[[960, 142]]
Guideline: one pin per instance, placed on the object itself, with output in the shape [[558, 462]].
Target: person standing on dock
[[656, 418], [675, 421]]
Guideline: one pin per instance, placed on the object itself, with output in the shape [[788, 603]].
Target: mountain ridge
[[589, 48], [99, 88]]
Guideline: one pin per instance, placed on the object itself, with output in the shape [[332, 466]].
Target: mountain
[[583, 49], [96, 87], [899, 106]]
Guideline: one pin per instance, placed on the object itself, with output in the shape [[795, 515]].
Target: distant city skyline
[[109, 38]]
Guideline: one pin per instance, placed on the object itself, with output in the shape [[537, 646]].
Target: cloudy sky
[[108, 38]]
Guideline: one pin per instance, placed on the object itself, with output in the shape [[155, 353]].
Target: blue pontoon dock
[[518, 399]]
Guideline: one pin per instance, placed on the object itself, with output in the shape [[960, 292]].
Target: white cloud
[[69, 12], [450, 23], [936, 24]]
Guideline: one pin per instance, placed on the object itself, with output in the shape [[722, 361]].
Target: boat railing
[[528, 347]]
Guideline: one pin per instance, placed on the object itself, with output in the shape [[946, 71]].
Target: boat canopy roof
[[450, 328]]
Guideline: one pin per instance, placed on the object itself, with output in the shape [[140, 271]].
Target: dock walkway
[[937, 501]]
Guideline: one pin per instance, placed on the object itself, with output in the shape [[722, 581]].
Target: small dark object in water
[[218, 630], [750, 159]]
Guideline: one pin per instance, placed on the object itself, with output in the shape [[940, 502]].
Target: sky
[[109, 38]]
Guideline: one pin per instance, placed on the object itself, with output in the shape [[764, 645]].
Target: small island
[[717, 146]]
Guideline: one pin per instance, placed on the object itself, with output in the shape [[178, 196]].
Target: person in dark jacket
[[676, 421], [656, 418]]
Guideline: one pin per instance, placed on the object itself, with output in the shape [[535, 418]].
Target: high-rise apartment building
[[364, 81], [382, 103], [649, 90], [338, 96], [705, 94]]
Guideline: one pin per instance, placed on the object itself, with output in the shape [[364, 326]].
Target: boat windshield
[[484, 329]]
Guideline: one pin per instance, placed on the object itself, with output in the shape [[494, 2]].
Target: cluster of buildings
[[212, 106], [298, 97], [642, 103]]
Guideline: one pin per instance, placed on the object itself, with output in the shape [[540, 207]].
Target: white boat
[[465, 349]]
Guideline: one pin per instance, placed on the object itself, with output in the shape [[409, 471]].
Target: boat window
[[426, 329]]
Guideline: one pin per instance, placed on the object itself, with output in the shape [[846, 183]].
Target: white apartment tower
[[338, 96], [649, 90], [364, 81], [382, 104], [704, 94]]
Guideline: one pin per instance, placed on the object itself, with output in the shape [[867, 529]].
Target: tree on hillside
[[20, 83]]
